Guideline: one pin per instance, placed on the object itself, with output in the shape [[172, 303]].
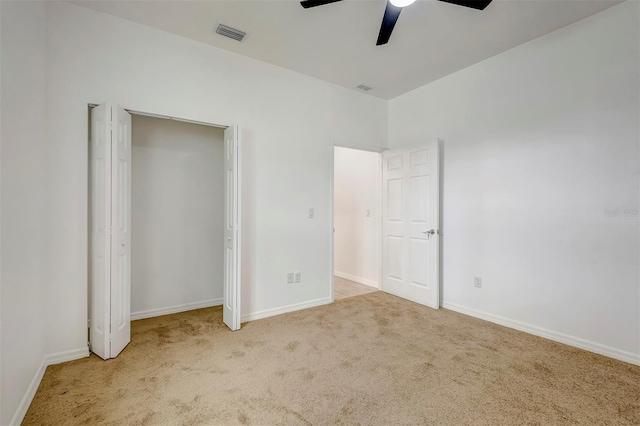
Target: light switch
[[311, 213]]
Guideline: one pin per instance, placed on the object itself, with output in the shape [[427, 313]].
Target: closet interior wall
[[177, 215]]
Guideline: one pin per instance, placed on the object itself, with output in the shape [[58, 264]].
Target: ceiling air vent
[[363, 87], [233, 33]]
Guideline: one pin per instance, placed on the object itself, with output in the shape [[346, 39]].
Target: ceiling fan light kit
[[401, 3], [393, 9]]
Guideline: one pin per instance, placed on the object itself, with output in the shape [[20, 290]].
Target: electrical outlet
[[298, 277], [312, 213], [477, 282], [368, 213], [289, 277]]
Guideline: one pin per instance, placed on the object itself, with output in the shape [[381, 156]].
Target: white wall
[[177, 218], [357, 237], [540, 142], [288, 123], [24, 237]]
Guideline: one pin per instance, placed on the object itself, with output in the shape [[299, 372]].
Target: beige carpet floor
[[373, 359]]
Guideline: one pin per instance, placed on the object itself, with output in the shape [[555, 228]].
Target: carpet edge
[[150, 313], [47, 360], [286, 309], [576, 342]]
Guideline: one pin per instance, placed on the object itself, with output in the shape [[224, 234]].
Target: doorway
[[399, 236], [164, 219], [357, 221]]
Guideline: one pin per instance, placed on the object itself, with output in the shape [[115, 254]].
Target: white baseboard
[[28, 397], [175, 309], [577, 342], [47, 360], [284, 309], [353, 278], [65, 356]]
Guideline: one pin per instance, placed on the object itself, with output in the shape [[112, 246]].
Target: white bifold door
[[231, 285], [410, 227], [110, 221]]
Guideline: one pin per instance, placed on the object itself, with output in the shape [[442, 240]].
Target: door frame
[[90, 106], [332, 146]]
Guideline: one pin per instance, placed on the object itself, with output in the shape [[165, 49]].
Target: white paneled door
[[110, 221], [231, 286], [410, 227]]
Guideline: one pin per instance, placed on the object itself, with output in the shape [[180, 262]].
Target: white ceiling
[[336, 42]]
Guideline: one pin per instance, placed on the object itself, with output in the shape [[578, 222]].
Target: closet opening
[[163, 221], [177, 216]]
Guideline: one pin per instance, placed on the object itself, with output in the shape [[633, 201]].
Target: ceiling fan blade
[[474, 4], [391, 14], [313, 3]]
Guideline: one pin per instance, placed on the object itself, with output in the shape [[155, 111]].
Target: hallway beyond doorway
[[345, 288]]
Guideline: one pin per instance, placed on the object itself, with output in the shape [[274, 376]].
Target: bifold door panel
[[231, 288], [110, 221]]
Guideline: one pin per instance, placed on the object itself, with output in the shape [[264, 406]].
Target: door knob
[[429, 233]]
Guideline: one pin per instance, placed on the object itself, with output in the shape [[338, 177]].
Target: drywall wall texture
[[24, 236], [541, 182], [288, 124], [357, 219], [177, 214]]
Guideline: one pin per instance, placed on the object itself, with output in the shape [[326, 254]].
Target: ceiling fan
[[393, 9]]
